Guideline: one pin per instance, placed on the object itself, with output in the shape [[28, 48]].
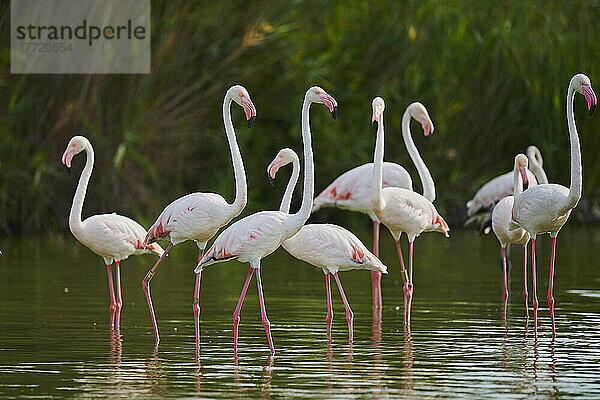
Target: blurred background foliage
[[493, 76]]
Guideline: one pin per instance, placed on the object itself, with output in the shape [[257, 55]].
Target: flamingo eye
[[281, 156], [73, 145]]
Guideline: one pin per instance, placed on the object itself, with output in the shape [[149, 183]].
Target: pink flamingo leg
[[404, 276], [238, 308], [263, 312], [196, 301], [329, 318], [146, 288], [535, 299], [113, 303], [376, 275], [505, 281], [410, 281], [119, 303], [525, 295], [349, 313], [551, 285]]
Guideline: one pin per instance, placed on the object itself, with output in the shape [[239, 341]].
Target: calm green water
[[55, 341]]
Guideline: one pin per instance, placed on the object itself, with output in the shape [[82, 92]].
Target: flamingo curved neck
[[537, 169], [289, 190], [241, 191], [75, 223], [575, 187], [424, 174], [376, 201], [302, 215], [517, 181]]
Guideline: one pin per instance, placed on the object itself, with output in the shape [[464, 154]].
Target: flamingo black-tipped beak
[[375, 126], [426, 139], [68, 169], [271, 180], [250, 121], [592, 108], [334, 112]]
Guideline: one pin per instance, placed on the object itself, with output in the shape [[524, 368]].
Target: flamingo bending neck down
[[501, 217], [113, 237], [401, 210], [352, 189], [326, 246], [198, 216], [256, 236], [546, 208]]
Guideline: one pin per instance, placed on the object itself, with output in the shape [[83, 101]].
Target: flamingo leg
[[533, 272], [525, 295], [551, 285], [263, 312], [196, 301], [146, 288], [410, 281], [349, 313], [119, 299], [404, 276], [505, 281], [238, 308], [113, 303], [329, 317], [376, 275]]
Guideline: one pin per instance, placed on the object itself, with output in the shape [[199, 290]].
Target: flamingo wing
[[352, 189], [249, 238], [194, 216], [116, 236], [333, 247]]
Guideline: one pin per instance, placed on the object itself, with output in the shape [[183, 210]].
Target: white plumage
[[113, 237]]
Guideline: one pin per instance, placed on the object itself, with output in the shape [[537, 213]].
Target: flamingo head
[[284, 157], [378, 108], [582, 84], [534, 154], [240, 95], [317, 95], [419, 112], [76, 145], [521, 163]]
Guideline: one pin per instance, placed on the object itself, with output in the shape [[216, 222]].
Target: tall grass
[[493, 76]]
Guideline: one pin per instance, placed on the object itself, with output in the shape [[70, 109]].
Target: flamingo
[[546, 208], [198, 216], [480, 206], [254, 237], [352, 189], [113, 237], [401, 210], [501, 217], [326, 246]]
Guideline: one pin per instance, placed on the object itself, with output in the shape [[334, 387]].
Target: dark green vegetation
[[492, 74]]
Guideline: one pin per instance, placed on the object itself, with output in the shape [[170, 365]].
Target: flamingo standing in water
[[479, 208], [501, 217], [256, 236], [352, 189], [546, 208], [401, 210], [198, 216], [326, 246], [113, 237]]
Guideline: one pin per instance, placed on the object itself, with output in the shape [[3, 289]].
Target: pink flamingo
[[113, 237], [198, 216], [546, 208], [352, 189], [501, 217], [480, 206], [326, 246], [399, 209], [254, 237]]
